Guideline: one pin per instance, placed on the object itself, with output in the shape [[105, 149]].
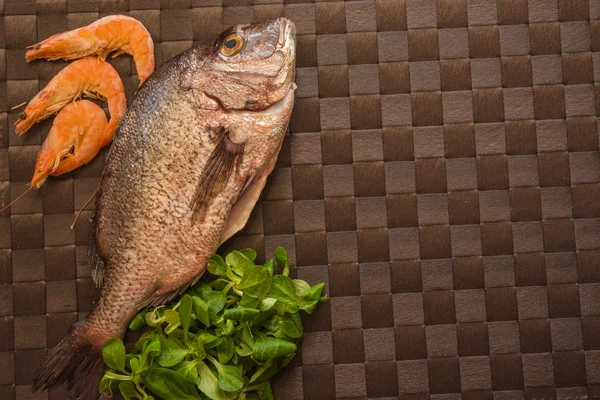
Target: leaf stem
[[176, 306], [249, 388], [115, 376], [228, 287], [141, 390], [169, 329], [232, 276], [212, 359]]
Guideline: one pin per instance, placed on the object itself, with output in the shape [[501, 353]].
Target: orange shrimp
[[113, 33], [74, 140], [89, 76]]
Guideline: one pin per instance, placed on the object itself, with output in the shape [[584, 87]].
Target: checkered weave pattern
[[442, 175]]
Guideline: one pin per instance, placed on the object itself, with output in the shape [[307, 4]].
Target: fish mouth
[[282, 103], [287, 33], [272, 109]]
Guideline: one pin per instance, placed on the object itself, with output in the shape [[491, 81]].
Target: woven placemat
[[442, 176]]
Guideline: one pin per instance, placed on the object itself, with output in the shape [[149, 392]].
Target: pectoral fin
[[215, 176], [241, 210]]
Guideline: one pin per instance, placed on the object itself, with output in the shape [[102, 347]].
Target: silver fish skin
[[186, 167]]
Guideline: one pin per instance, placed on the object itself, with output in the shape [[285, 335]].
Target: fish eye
[[232, 45]]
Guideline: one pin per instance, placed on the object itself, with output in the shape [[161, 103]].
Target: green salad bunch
[[221, 340]]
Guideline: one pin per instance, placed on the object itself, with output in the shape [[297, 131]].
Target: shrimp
[[89, 76], [113, 33], [74, 140]]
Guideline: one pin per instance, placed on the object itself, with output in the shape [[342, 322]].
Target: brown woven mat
[[442, 176]]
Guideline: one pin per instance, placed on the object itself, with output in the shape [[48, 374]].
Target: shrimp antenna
[[15, 200], [85, 205], [19, 105]]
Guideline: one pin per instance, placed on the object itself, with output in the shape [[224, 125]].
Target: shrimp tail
[[73, 362]]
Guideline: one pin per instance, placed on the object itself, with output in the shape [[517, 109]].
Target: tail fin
[[72, 362]]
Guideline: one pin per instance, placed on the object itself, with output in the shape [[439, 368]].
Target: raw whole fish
[[187, 165]]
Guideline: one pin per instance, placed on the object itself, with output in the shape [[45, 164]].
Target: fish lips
[[287, 45], [287, 34]]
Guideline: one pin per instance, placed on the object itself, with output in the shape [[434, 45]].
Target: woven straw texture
[[442, 175]]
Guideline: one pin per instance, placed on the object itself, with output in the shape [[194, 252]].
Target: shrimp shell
[[74, 140], [89, 76], [113, 33]]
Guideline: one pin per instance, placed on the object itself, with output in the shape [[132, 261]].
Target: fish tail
[[73, 362]]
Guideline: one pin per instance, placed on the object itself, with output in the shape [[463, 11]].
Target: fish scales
[[186, 167]]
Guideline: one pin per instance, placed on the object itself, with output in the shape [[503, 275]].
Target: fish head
[[251, 67]]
